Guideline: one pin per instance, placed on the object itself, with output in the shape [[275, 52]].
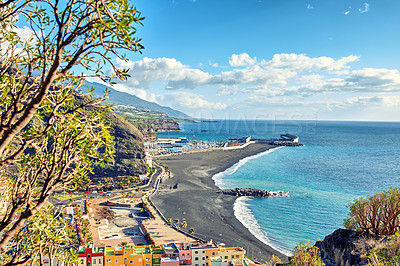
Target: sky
[[269, 59]]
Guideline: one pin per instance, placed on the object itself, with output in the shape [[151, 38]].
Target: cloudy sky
[[270, 59]]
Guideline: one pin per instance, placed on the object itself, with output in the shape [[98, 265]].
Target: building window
[[116, 260], [125, 252], [196, 258], [233, 257], [94, 261], [108, 260], [156, 260], [125, 259], [204, 258], [131, 261], [147, 259], [131, 255], [140, 259], [147, 264], [237, 256], [88, 255], [226, 257], [196, 252], [204, 251]]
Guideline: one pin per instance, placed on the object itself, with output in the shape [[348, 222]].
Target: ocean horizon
[[341, 161]]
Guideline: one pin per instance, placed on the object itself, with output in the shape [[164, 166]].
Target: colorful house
[[91, 255], [185, 253], [158, 253], [128, 256], [170, 261], [218, 261], [171, 250], [201, 252], [231, 254]]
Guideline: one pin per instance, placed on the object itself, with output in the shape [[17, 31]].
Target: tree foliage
[[46, 234], [305, 254], [376, 215], [273, 261], [388, 255], [50, 135]]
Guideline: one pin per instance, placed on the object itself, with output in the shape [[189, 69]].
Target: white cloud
[[227, 90], [310, 6], [213, 64], [146, 71], [365, 9], [374, 80], [283, 75], [25, 34], [189, 100], [241, 60], [303, 62], [347, 12], [387, 101]]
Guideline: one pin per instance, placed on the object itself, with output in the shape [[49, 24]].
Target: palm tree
[[176, 222], [169, 221], [184, 224], [192, 230]]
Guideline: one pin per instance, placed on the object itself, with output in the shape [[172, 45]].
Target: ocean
[[340, 161]]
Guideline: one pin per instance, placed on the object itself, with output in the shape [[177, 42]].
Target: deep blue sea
[[340, 161]]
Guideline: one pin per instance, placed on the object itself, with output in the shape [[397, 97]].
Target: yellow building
[[231, 254], [128, 256]]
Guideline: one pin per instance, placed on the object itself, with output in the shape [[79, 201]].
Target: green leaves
[[50, 135], [377, 214], [305, 254]]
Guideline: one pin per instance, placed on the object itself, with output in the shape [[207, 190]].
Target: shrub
[[376, 215], [305, 255], [388, 255], [273, 261]]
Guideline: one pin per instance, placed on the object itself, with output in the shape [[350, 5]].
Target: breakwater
[[257, 193]]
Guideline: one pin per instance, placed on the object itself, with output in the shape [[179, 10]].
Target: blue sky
[[270, 59]]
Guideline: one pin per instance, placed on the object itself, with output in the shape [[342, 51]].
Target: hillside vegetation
[[128, 146], [147, 121]]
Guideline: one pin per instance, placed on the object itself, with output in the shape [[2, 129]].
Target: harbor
[[162, 146]]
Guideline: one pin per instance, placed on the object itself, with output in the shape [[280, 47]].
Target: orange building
[[128, 256]]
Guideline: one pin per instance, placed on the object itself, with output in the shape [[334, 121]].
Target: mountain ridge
[[124, 98]]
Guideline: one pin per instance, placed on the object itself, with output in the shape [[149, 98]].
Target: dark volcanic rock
[[346, 247], [257, 193]]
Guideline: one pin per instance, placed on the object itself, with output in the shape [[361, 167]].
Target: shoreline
[[197, 200], [240, 206]]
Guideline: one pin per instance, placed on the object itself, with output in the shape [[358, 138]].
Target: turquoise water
[[339, 162]]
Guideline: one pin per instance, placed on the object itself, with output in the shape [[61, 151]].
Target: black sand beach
[[196, 199]]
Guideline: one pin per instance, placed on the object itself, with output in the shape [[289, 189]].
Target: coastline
[[197, 199]]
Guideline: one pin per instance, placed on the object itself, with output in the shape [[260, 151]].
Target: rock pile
[[287, 143], [252, 192]]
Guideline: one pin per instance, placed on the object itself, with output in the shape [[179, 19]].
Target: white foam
[[246, 217], [240, 207], [218, 178]]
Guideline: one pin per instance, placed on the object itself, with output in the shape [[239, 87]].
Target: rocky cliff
[[346, 248], [156, 125], [129, 149]]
